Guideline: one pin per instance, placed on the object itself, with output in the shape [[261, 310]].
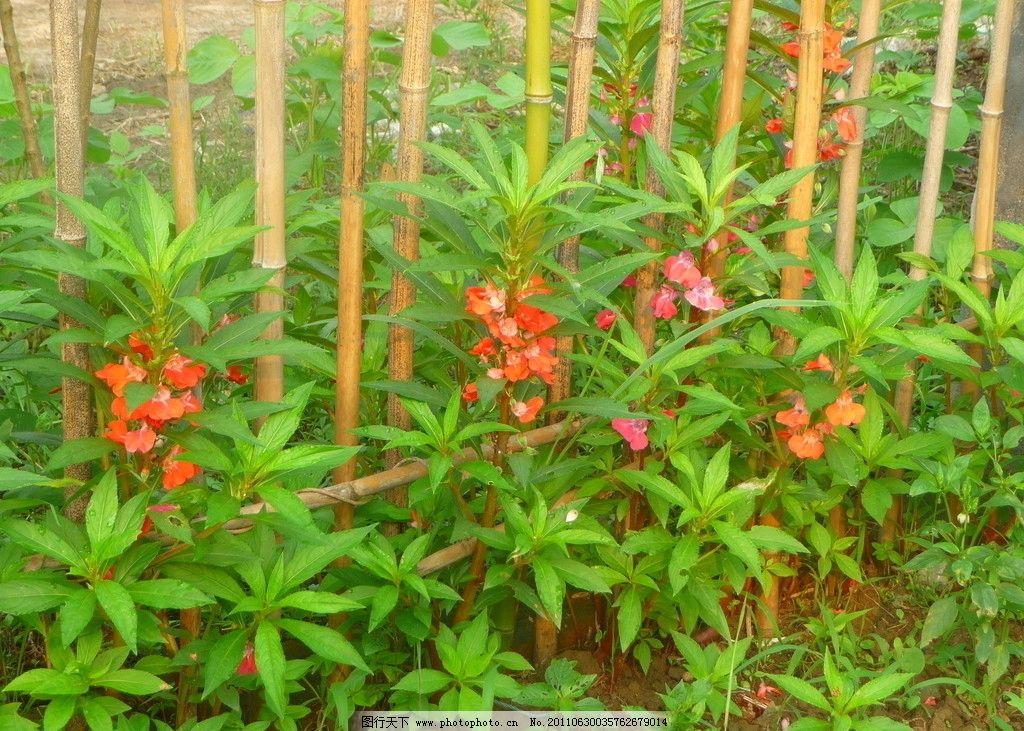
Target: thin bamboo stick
[[663, 103], [577, 112], [849, 176], [935, 150], [183, 177], [21, 96], [801, 202], [730, 113], [350, 253], [988, 157], [90, 37], [414, 86], [269, 250], [70, 166]]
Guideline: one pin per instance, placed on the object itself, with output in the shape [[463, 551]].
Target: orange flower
[[182, 372], [846, 124], [821, 363], [527, 412], [795, 417], [517, 368], [484, 348], [140, 440], [792, 48], [177, 472], [161, 407], [534, 320], [119, 375], [470, 394], [140, 346], [539, 357], [774, 126], [844, 412], [807, 444], [190, 403], [235, 375], [483, 301]]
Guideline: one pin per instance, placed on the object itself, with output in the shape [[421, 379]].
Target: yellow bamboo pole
[[21, 96], [663, 103], [70, 167], [90, 37], [350, 253], [538, 86], [577, 111], [183, 177], [991, 129], [849, 176], [269, 250], [412, 116], [935, 150], [807, 124]]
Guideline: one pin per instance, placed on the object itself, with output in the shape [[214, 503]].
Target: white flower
[[571, 516]]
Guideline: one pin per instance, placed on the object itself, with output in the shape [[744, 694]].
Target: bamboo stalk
[[414, 86], [935, 150], [991, 112], [538, 86], [350, 253], [90, 37], [21, 96], [663, 103], [76, 395], [269, 250], [849, 176], [577, 112], [801, 202], [183, 177]]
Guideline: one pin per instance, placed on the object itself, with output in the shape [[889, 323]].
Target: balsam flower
[[634, 431], [527, 411], [845, 411]]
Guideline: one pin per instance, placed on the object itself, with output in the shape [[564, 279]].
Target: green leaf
[[739, 544], [324, 642], [876, 500], [224, 658], [458, 35], [211, 58], [769, 538], [270, 662], [877, 690], [630, 616], [803, 691], [132, 682], [26, 596], [424, 681], [77, 451], [47, 682], [37, 538], [12, 479], [319, 602], [550, 588], [117, 603], [384, 601], [102, 509], [167, 594], [939, 619]]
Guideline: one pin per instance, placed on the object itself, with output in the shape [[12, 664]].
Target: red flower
[[634, 431], [527, 412], [765, 691], [119, 375], [539, 356], [821, 363], [533, 319], [181, 372], [641, 123], [248, 664], [516, 367], [236, 375], [682, 270], [791, 48], [774, 126], [140, 346], [663, 303], [470, 394], [605, 319], [629, 281], [828, 148]]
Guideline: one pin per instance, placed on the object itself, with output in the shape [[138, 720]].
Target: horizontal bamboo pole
[[353, 491]]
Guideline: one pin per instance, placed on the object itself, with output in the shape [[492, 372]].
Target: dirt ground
[[130, 30]]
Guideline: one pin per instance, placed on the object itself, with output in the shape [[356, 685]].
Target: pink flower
[[663, 303], [641, 123], [682, 269], [605, 319], [248, 664], [634, 431], [703, 296], [629, 281]]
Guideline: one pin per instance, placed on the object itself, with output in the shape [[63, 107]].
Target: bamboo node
[[539, 99], [987, 113], [413, 88]]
